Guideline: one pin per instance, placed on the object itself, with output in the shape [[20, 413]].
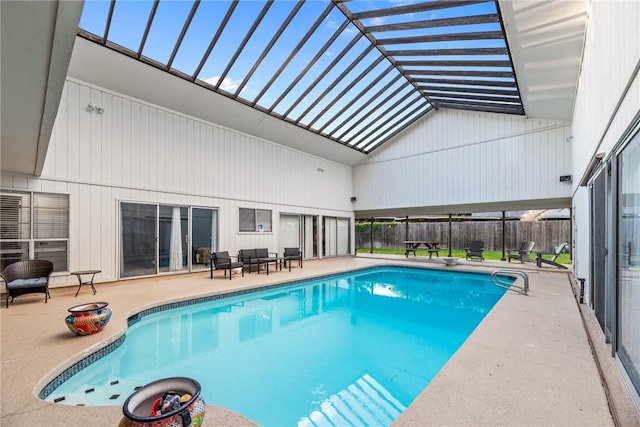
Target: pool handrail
[[495, 279]]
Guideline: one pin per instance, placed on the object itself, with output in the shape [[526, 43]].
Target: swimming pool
[[349, 349]]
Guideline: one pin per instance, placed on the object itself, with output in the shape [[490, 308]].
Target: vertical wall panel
[[488, 158], [85, 134], [94, 142], [73, 130], [106, 139]]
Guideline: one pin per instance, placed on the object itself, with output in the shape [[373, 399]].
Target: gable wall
[[458, 157]]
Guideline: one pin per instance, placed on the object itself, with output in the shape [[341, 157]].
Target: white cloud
[[228, 84]]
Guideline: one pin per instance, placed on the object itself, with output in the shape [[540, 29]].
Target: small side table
[[79, 275]]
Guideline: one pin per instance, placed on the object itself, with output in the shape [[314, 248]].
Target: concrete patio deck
[[528, 363]]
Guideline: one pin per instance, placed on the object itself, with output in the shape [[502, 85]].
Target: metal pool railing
[[514, 274]]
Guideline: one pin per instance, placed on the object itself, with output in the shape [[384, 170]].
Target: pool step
[[115, 392], [365, 402]]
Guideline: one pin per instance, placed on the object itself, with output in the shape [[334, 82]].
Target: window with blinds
[[50, 216], [15, 216], [34, 226], [252, 220]]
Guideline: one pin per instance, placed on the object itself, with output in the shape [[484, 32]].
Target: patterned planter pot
[[87, 319], [169, 402]]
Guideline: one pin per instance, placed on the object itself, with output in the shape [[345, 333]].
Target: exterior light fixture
[[94, 107]]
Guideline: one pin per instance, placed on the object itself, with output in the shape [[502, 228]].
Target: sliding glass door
[[173, 222], [310, 236], [628, 332], [138, 241], [336, 236], [343, 236], [204, 237], [165, 239], [289, 232]]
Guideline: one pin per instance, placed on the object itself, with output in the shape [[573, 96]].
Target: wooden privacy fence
[[546, 234]]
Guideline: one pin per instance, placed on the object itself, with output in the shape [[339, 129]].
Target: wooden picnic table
[[414, 245]]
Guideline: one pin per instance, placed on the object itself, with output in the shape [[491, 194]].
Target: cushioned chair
[[222, 261], [25, 277], [292, 254], [553, 261], [475, 250], [523, 253]]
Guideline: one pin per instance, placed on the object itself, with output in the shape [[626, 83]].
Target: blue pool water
[[352, 349]]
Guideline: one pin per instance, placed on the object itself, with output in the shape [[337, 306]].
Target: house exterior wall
[[607, 102], [463, 158], [137, 152]]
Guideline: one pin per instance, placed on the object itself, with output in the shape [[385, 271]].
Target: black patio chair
[[475, 250], [292, 254], [222, 261]]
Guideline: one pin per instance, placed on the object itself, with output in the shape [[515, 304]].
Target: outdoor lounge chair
[[222, 261], [25, 277], [292, 254], [540, 260], [475, 250], [523, 253]]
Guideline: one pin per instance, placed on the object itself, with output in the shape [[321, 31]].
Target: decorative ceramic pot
[[169, 402], [87, 319]]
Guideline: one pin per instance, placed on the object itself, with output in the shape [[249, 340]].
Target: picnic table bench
[[414, 245]]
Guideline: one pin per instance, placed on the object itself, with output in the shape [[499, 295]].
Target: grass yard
[[488, 255]]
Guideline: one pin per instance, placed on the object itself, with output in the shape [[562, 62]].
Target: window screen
[[252, 220], [34, 226]]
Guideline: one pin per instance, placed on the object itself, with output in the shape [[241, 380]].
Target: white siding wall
[[458, 157], [603, 109], [138, 152]]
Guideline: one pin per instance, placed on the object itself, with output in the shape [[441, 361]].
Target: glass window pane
[[172, 238], [629, 261], [15, 215], [138, 240], [202, 237], [11, 252], [343, 236], [247, 220], [51, 216], [54, 251], [264, 217], [330, 226], [50, 221]]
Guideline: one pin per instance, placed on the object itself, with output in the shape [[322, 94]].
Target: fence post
[[504, 236], [406, 228], [449, 237], [371, 229]]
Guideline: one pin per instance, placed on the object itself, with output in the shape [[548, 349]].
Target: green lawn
[[488, 255]]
